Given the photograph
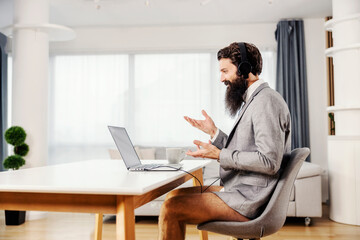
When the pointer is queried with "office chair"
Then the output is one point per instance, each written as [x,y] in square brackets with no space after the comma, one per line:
[274,215]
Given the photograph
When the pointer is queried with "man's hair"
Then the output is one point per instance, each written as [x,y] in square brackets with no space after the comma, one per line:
[233,53]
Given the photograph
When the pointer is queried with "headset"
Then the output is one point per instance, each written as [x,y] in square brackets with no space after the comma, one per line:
[244,67]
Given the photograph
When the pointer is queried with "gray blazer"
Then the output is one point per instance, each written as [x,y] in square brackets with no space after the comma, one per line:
[251,155]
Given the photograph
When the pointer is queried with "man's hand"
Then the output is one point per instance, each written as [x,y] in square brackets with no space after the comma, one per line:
[207,150]
[207,125]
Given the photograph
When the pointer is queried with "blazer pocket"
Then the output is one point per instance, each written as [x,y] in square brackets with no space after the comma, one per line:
[254,181]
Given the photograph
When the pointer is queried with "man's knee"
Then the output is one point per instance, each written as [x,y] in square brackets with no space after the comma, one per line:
[169,204]
[173,206]
[172,194]
[167,208]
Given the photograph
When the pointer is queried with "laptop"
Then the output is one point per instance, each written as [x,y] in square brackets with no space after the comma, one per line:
[129,155]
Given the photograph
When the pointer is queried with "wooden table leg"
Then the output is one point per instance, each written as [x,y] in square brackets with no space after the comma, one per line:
[125,218]
[98,226]
[199,175]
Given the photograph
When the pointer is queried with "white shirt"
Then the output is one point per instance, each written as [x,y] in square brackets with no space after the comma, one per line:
[246,96]
[252,89]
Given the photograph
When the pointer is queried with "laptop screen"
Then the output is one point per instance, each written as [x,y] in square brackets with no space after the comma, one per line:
[125,147]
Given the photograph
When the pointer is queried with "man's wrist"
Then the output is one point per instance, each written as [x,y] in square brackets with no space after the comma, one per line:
[218,158]
[214,134]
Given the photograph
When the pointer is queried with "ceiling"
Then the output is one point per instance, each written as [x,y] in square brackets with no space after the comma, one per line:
[87,13]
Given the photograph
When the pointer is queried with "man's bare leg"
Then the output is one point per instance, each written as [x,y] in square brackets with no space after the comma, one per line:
[185,191]
[194,189]
[190,206]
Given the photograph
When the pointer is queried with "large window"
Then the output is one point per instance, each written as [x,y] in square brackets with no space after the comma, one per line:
[87,94]
[147,93]
[168,87]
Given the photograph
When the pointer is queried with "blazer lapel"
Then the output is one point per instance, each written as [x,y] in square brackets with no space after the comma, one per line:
[261,87]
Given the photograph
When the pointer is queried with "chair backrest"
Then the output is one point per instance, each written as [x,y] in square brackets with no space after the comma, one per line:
[274,215]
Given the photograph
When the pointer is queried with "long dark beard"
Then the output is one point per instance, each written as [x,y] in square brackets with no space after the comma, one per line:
[234,95]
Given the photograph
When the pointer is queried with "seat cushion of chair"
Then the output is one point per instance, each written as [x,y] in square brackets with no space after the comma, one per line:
[248,230]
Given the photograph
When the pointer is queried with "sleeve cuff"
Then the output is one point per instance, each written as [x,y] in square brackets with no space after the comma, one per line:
[226,160]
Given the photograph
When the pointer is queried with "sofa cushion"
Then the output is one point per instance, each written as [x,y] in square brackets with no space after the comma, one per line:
[114,154]
[306,170]
[212,170]
[160,152]
[143,153]
[309,170]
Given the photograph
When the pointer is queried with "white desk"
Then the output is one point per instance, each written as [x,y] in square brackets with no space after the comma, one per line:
[94,186]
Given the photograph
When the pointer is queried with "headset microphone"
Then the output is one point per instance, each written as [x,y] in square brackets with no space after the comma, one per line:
[244,67]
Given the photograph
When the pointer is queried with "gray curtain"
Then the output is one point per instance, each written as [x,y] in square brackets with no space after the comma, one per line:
[291,81]
[3,98]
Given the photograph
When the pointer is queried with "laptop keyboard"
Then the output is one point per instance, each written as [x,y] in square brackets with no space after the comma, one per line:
[146,166]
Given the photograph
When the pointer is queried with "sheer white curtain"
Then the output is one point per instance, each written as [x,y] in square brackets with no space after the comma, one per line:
[168,87]
[88,93]
[269,68]
[147,93]
[9,96]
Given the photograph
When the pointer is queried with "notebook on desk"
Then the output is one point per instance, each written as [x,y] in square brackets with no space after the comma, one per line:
[129,155]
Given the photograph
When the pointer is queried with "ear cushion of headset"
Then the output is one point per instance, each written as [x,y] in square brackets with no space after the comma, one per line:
[244,68]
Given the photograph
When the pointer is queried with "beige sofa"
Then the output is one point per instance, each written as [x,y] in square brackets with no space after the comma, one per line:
[305,200]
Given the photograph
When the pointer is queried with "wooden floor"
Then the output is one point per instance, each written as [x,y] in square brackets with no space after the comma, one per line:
[71,226]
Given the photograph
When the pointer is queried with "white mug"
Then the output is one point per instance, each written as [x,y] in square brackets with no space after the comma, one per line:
[175,155]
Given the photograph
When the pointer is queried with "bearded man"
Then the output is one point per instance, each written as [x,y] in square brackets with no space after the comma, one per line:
[250,156]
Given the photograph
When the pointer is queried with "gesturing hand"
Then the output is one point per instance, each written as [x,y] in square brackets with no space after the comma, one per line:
[207,150]
[207,125]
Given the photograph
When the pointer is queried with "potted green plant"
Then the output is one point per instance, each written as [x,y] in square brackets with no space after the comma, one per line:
[15,136]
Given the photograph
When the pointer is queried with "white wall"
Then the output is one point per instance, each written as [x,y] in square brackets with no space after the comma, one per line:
[214,37]
[177,38]
[317,94]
